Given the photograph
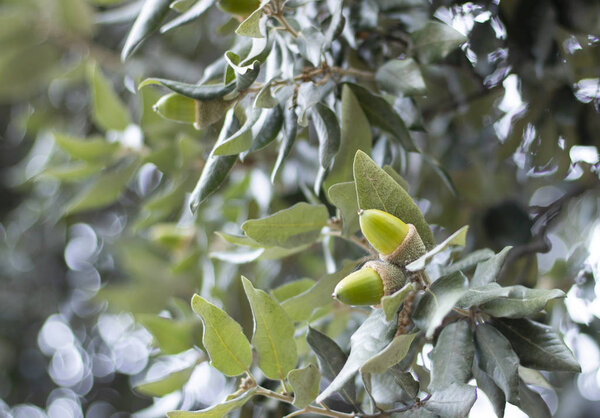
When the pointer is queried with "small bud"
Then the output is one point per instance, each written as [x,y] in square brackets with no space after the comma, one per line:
[384,232]
[369,284]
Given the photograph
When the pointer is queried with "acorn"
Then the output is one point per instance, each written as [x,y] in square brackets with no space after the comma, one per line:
[395,241]
[369,284]
[176,107]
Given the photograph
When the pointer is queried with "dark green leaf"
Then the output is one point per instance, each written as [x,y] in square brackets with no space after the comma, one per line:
[452,357]
[468,262]
[152,14]
[476,296]
[201,92]
[521,301]
[406,381]
[435,40]
[532,403]
[438,301]
[328,131]
[305,384]
[498,360]
[376,189]
[487,271]
[267,128]
[453,402]
[369,339]
[273,337]
[493,392]
[297,225]
[538,346]
[290,128]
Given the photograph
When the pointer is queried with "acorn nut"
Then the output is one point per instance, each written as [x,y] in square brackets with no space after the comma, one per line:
[369,284]
[395,241]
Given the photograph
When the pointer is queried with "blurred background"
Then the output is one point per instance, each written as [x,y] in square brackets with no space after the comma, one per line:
[96,242]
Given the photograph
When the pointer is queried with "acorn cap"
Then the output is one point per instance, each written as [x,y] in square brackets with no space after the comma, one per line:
[369,284]
[408,251]
[384,231]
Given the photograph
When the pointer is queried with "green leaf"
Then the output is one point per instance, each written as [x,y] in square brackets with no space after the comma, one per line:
[189,15]
[202,92]
[343,196]
[290,129]
[216,168]
[435,40]
[453,402]
[538,346]
[216,411]
[391,303]
[73,172]
[406,381]
[458,239]
[108,111]
[104,191]
[291,289]
[171,336]
[381,114]
[521,301]
[476,296]
[468,262]
[152,14]
[493,392]
[305,384]
[438,301]
[533,377]
[328,130]
[300,307]
[170,383]
[92,150]
[391,355]
[397,177]
[289,228]
[266,129]
[452,357]
[240,140]
[251,26]
[369,339]
[176,107]
[223,339]
[532,403]
[331,361]
[376,189]
[355,134]
[273,337]
[498,360]
[487,271]
[401,77]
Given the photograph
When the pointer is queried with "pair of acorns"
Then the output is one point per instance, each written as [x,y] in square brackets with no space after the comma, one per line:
[397,243]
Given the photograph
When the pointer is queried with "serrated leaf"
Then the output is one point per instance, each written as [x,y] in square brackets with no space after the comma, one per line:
[297,225]
[438,301]
[435,40]
[189,15]
[381,114]
[493,392]
[452,357]
[391,303]
[532,403]
[291,289]
[376,189]
[487,271]
[108,111]
[305,384]
[391,355]
[169,383]
[223,339]
[150,17]
[216,168]
[537,345]
[476,296]
[300,307]
[521,301]
[202,92]
[459,238]
[216,411]
[369,339]
[92,150]
[343,196]
[401,77]
[498,360]
[355,134]
[251,25]
[331,361]
[328,130]
[453,402]
[273,336]
[172,337]
[104,191]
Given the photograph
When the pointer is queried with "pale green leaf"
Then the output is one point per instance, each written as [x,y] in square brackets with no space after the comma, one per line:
[401,77]
[305,384]
[343,196]
[476,296]
[391,303]
[108,111]
[170,383]
[223,339]
[452,357]
[521,301]
[273,337]
[172,337]
[216,411]
[251,26]
[291,289]
[453,402]
[396,350]
[457,239]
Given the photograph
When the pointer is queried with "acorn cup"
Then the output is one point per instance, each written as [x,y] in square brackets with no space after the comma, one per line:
[395,241]
[369,284]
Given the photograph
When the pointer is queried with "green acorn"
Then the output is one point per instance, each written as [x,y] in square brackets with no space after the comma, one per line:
[395,241]
[176,107]
[369,284]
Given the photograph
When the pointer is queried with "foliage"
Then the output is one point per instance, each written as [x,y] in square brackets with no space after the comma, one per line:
[229,168]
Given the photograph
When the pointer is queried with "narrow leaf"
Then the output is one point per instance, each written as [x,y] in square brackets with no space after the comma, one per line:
[328,131]
[305,384]
[152,14]
[452,357]
[273,337]
[290,129]
[493,392]
[216,411]
[223,339]
[169,383]
[458,239]
[189,15]
[193,91]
